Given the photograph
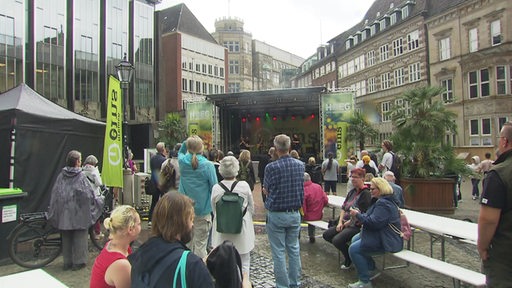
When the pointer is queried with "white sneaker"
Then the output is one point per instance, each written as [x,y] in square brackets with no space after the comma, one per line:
[360,284]
[343,267]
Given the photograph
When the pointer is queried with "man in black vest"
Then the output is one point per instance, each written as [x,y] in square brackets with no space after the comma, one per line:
[495,220]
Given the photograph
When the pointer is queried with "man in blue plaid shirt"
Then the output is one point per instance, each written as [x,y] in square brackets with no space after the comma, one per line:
[284,187]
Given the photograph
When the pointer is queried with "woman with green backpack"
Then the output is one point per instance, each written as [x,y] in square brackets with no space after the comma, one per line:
[233,207]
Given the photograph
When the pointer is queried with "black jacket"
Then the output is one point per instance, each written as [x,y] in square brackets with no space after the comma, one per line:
[156,252]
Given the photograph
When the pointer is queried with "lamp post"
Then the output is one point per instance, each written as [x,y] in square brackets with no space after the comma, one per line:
[124,74]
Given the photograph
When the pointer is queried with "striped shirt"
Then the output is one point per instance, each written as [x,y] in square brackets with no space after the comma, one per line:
[284,181]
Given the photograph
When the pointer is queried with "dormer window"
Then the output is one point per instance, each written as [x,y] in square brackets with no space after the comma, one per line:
[383,23]
[374,28]
[405,11]
[349,42]
[393,18]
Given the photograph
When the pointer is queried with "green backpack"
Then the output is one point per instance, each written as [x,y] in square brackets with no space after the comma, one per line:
[229,211]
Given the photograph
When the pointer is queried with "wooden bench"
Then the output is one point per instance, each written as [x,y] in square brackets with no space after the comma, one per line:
[457,273]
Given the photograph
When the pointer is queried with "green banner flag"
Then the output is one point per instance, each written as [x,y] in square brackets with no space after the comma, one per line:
[112,169]
[199,121]
[337,108]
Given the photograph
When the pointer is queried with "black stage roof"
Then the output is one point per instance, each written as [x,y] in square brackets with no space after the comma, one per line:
[290,101]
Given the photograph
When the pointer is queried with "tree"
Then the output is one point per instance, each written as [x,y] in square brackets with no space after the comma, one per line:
[420,126]
[360,129]
[172,130]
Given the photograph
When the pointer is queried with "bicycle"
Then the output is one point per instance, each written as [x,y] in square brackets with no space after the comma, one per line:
[34,243]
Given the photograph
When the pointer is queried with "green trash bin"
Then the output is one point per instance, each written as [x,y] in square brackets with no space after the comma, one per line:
[9,211]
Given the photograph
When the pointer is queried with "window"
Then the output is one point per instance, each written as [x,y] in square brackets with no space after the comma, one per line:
[216,70]
[347,44]
[210,69]
[232,46]
[373,29]
[392,19]
[370,58]
[480,132]
[221,72]
[444,49]
[404,105]
[382,24]
[204,68]
[384,52]
[385,82]
[384,107]
[414,72]
[198,86]
[473,40]
[399,77]
[198,67]
[479,83]
[495,33]
[405,12]
[501,122]
[233,67]
[413,39]
[397,47]
[233,87]
[205,88]
[501,80]
[184,84]
[447,95]
[191,85]
[371,85]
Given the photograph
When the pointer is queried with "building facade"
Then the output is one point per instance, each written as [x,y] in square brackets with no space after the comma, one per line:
[65,50]
[470,48]
[191,63]
[230,33]
[253,64]
[464,46]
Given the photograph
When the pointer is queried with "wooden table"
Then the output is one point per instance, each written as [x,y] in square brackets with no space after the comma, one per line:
[30,279]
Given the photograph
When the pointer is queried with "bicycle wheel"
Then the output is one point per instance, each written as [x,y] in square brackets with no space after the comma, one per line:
[99,239]
[34,244]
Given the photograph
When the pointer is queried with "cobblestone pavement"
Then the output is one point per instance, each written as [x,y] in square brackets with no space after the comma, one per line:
[320,261]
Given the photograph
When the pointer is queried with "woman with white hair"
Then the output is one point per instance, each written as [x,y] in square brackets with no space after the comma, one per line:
[244,241]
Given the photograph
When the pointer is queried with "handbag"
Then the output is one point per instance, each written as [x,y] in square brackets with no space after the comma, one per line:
[181,269]
[406,231]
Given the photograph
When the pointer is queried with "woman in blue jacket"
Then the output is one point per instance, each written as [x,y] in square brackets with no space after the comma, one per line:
[376,235]
[197,177]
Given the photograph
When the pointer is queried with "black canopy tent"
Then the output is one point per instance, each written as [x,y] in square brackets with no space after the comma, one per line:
[40,133]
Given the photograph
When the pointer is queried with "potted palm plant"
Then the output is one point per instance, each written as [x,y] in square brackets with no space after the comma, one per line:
[429,164]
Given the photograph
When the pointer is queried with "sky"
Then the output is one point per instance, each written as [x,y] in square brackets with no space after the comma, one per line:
[295,26]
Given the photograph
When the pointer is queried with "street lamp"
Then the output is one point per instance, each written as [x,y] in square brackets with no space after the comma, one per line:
[124,74]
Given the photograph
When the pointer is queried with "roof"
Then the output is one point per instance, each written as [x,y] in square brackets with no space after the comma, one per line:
[180,18]
[295,101]
[23,98]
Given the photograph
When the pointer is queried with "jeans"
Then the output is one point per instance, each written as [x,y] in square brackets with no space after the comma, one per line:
[283,230]
[201,230]
[475,183]
[341,240]
[362,259]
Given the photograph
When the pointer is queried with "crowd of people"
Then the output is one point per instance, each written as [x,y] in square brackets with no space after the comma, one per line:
[190,203]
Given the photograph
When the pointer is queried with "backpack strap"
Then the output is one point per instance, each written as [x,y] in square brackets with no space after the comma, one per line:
[392,159]
[181,269]
[228,191]
[158,269]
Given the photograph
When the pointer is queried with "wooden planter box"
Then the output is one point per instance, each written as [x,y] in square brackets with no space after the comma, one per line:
[429,194]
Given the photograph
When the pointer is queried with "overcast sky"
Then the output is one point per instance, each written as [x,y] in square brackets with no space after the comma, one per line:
[296,26]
